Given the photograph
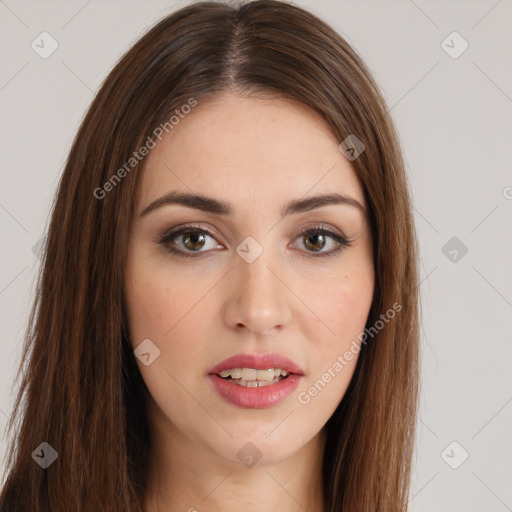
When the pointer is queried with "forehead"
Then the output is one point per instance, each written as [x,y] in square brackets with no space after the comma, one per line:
[249,151]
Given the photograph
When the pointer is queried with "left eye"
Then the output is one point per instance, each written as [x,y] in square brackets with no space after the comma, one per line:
[193,239]
[316,239]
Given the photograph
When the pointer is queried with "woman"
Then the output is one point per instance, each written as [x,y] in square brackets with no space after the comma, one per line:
[227,314]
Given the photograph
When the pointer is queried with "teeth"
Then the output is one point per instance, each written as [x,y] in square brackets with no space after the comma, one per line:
[252,375]
[249,374]
[255,383]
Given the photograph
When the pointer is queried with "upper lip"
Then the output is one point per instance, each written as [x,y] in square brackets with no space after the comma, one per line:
[258,362]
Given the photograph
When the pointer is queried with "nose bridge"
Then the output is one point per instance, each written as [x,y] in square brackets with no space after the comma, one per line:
[258,299]
[256,275]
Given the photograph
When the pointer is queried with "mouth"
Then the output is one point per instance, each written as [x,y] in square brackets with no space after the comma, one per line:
[253,378]
[254,381]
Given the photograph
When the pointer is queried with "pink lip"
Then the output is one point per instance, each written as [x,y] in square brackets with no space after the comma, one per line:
[256,398]
[258,362]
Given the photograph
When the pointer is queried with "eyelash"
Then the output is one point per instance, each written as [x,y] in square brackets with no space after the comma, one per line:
[320,229]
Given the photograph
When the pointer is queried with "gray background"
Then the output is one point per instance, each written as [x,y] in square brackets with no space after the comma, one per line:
[454,120]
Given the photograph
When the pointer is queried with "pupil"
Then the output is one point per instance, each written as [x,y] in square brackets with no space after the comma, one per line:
[193,238]
[315,241]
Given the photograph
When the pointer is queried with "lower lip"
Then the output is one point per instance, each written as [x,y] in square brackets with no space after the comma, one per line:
[255,398]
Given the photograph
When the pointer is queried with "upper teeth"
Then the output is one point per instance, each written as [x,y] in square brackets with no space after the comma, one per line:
[252,374]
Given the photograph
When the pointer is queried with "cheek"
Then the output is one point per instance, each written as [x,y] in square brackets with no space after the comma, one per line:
[350,306]
[166,310]
[158,301]
[340,309]
[172,311]
[153,309]
[342,312]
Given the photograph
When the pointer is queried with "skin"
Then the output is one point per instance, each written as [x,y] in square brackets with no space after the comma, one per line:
[255,154]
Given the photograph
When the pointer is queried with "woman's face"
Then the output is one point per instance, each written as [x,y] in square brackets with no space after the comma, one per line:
[254,277]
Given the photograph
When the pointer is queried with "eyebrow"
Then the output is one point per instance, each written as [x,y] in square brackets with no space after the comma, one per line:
[217,207]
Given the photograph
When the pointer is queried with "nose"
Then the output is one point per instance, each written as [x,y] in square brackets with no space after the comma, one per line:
[258,298]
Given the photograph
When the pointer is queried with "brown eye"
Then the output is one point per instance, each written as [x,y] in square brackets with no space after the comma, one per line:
[316,239]
[193,240]
[189,241]
[314,242]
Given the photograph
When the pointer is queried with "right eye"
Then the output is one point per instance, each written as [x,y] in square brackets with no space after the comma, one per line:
[187,240]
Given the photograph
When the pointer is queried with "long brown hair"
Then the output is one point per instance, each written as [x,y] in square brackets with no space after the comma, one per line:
[80,389]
